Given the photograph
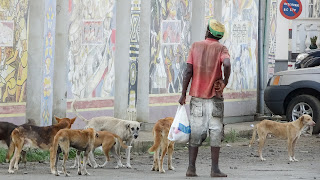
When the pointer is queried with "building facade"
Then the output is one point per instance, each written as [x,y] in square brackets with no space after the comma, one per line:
[117,57]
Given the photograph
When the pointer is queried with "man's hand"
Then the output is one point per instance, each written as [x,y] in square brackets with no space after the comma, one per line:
[219,85]
[182,99]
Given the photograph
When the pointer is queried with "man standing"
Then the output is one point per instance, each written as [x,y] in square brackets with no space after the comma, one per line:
[204,66]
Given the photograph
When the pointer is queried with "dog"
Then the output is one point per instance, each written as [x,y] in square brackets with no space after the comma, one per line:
[6,129]
[82,140]
[290,131]
[160,133]
[126,130]
[26,136]
[108,141]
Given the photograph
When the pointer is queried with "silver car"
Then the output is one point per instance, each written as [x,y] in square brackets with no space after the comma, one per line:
[295,92]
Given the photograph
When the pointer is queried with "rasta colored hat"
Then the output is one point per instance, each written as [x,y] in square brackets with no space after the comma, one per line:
[216,28]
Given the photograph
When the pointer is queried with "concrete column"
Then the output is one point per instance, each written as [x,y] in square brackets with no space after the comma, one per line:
[35,58]
[61,60]
[144,60]
[122,58]
[198,29]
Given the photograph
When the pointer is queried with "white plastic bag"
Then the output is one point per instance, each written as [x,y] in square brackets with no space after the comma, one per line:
[180,128]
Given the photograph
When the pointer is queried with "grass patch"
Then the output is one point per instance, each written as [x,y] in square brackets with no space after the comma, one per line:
[3,153]
[231,137]
[36,155]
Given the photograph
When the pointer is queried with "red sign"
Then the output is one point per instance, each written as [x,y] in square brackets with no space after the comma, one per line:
[290,9]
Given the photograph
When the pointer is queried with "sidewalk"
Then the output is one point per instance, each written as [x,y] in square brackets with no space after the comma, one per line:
[145,139]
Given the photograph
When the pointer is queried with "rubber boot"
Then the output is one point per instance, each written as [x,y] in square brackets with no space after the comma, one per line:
[193,152]
[215,171]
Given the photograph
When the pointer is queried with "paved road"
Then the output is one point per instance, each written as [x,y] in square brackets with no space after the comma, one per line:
[237,160]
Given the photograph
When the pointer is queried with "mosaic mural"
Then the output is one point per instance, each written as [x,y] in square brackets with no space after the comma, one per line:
[209,10]
[48,63]
[272,37]
[170,43]
[241,38]
[92,46]
[134,58]
[13,50]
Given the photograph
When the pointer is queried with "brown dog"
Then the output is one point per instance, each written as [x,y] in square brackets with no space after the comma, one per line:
[160,133]
[35,136]
[6,129]
[108,141]
[290,131]
[82,140]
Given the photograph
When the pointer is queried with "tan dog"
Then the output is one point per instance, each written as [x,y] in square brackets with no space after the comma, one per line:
[160,133]
[26,136]
[290,131]
[126,130]
[82,140]
[108,141]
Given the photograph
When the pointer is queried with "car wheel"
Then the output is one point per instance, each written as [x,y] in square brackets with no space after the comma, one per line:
[304,104]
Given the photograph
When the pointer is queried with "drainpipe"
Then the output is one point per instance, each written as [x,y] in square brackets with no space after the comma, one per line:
[261,45]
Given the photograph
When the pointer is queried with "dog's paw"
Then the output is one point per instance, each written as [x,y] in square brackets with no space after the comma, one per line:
[293,159]
[10,171]
[96,166]
[100,166]
[89,164]
[79,172]
[171,168]
[16,167]
[262,159]
[87,174]
[128,166]
[162,171]
[67,175]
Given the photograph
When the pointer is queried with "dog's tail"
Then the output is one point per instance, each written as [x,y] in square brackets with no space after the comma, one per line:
[120,141]
[254,134]
[157,140]
[76,113]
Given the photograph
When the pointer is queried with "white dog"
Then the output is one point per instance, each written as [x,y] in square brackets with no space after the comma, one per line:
[126,130]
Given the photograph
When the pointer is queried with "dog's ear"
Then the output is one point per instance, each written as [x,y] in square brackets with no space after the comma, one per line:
[302,118]
[73,120]
[58,119]
[128,126]
[97,134]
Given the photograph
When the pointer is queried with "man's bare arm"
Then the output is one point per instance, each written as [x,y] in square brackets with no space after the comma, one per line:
[226,70]
[186,80]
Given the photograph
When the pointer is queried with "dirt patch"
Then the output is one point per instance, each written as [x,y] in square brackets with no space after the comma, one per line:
[236,159]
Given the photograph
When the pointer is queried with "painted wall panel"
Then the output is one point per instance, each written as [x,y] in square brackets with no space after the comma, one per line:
[170,43]
[48,63]
[92,45]
[241,38]
[13,50]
